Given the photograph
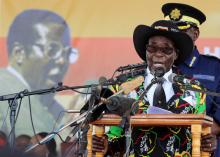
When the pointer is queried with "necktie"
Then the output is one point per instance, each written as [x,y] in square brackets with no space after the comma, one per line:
[159,98]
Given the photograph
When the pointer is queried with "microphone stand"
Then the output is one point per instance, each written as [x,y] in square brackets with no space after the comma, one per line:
[81,120]
[13,104]
[78,120]
[12,101]
[125,123]
[59,88]
[84,126]
[135,104]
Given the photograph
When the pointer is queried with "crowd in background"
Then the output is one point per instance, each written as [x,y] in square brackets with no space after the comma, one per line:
[22,142]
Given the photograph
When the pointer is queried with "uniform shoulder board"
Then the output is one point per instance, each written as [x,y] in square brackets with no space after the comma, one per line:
[211,57]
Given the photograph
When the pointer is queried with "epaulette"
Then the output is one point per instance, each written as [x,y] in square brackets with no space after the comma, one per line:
[210,56]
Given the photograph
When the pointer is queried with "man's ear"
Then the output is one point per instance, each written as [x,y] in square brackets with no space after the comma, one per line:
[196,33]
[176,54]
[18,53]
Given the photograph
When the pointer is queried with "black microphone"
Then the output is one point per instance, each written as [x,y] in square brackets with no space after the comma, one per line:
[102,80]
[125,76]
[158,72]
[96,110]
[119,105]
[132,67]
[187,84]
[174,78]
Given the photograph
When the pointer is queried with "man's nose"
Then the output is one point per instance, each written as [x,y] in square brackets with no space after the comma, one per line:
[159,53]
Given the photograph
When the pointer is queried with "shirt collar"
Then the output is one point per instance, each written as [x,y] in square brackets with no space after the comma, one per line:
[19,76]
[149,76]
[193,59]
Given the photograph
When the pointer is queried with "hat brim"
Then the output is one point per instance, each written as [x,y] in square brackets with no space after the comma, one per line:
[182,41]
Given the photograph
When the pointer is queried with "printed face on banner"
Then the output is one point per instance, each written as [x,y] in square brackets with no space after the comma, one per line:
[48,55]
[39,55]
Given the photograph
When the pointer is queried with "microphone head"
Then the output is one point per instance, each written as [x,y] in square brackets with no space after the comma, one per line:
[119,105]
[159,72]
[171,77]
[102,80]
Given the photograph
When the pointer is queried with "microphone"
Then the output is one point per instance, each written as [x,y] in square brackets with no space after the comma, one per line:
[119,105]
[91,104]
[132,66]
[125,88]
[158,72]
[102,80]
[187,84]
[174,78]
[125,76]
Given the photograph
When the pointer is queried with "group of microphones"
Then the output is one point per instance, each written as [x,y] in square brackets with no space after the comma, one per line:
[109,102]
[103,100]
[118,104]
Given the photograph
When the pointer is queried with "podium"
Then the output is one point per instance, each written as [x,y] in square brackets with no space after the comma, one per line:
[200,124]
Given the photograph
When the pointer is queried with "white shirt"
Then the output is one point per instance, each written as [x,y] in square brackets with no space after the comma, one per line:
[167,85]
[19,76]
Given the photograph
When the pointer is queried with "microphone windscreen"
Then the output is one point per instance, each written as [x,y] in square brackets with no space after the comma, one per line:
[159,72]
[171,77]
[105,93]
[119,105]
[102,80]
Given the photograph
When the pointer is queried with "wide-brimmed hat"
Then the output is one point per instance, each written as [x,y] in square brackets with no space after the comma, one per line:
[182,41]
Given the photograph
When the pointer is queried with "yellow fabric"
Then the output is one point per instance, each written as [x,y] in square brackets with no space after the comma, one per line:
[192,61]
[184,27]
[186,19]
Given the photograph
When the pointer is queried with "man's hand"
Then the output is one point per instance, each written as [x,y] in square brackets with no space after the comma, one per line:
[209,143]
[99,144]
[215,128]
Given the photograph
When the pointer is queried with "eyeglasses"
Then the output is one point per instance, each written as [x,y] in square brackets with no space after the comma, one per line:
[165,50]
[55,50]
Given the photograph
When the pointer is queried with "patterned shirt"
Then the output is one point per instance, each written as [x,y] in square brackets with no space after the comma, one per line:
[161,141]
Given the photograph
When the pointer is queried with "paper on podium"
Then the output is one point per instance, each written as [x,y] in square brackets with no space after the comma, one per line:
[157,110]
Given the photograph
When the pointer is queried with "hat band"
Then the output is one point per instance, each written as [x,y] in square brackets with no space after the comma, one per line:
[185,19]
[184,27]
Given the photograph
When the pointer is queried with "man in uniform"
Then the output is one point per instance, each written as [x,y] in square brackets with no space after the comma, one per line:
[202,67]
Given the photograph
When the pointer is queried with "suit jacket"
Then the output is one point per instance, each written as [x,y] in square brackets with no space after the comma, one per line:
[42,119]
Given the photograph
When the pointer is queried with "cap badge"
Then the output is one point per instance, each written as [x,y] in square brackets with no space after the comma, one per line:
[175,14]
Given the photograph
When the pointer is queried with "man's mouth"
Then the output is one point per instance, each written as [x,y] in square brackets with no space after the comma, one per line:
[158,64]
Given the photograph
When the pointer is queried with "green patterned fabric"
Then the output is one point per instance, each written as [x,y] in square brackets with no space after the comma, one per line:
[162,141]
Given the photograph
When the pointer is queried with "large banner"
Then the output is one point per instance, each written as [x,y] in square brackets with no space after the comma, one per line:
[43,42]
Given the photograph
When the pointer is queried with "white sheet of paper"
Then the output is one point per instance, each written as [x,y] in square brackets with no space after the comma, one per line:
[157,110]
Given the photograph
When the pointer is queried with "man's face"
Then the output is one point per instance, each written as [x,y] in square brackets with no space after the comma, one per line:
[190,29]
[48,57]
[160,53]
[192,32]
